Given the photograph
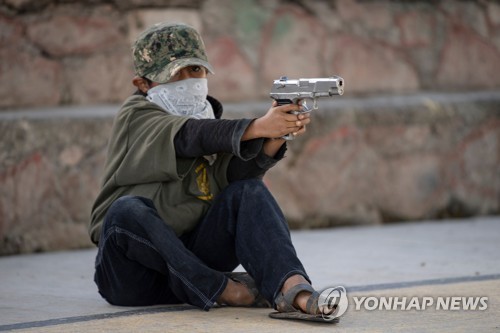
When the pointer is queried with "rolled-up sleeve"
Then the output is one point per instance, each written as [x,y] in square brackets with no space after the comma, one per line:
[239,169]
[202,137]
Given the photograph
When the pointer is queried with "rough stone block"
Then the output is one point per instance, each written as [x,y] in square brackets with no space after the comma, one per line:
[235,79]
[76,32]
[468,62]
[49,172]
[102,78]
[11,30]
[470,14]
[493,11]
[27,78]
[368,66]
[292,45]
[417,29]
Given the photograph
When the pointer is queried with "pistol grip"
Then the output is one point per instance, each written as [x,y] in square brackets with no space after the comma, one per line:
[280,102]
[305,109]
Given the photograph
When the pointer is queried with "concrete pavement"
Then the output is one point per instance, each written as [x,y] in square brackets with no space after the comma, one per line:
[54,292]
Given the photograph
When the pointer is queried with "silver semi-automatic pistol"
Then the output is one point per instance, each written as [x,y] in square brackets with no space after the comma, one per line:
[307,91]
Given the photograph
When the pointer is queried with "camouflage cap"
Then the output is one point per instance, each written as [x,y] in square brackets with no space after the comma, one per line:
[162,50]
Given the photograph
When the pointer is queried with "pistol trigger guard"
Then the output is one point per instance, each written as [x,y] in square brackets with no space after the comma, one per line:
[315,104]
[305,105]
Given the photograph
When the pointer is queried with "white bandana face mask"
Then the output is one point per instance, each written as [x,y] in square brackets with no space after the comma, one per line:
[183,98]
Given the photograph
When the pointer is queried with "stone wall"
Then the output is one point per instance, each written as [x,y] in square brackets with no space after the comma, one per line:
[362,161]
[56,52]
[407,141]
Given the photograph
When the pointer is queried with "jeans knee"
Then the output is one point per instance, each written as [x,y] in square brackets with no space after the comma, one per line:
[128,208]
[251,187]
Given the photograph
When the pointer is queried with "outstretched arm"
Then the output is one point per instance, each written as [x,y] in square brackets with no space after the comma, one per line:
[209,136]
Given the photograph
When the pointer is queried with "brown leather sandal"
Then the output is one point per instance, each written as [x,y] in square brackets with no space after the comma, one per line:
[286,310]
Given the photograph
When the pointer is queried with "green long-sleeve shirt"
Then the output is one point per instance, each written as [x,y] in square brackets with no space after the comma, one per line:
[142,161]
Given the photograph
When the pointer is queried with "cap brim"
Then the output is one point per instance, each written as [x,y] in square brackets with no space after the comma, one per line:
[172,68]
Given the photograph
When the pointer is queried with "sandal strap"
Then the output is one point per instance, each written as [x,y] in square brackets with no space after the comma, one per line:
[312,303]
[284,302]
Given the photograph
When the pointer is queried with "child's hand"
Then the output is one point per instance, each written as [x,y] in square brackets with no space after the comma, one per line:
[278,122]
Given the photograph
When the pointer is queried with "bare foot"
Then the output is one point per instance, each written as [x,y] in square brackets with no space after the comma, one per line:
[301,299]
[236,294]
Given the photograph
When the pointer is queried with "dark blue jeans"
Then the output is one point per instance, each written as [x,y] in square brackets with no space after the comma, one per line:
[142,262]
